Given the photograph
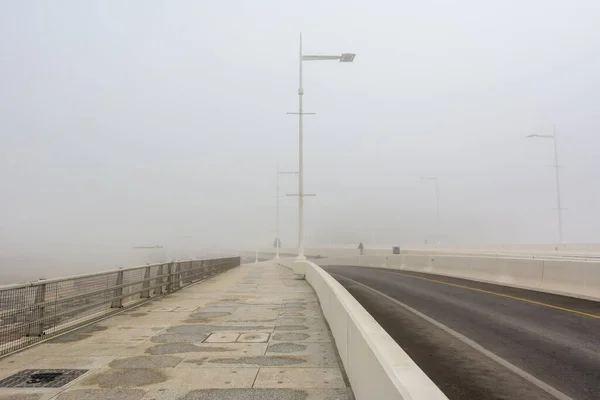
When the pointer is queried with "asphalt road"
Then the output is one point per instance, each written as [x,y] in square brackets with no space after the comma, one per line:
[554,340]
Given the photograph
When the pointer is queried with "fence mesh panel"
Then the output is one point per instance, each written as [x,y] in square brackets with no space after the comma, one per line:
[34,311]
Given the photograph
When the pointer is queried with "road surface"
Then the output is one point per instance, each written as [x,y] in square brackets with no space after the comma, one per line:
[483,341]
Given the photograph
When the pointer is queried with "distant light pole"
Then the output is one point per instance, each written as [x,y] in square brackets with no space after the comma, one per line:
[437,196]
[346,57]
[556,166]
[277,241]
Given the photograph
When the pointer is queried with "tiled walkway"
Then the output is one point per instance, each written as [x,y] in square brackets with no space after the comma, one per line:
[252,333]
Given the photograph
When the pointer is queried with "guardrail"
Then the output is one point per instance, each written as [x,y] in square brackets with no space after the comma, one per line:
[33,311]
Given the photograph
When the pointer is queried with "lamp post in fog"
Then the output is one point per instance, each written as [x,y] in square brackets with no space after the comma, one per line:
[346,57]
[437,196]
[277,240]
[556,166]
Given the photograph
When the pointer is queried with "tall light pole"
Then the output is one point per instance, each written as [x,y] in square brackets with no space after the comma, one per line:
[437,196]
[556,166]
[277,241]
[346,57]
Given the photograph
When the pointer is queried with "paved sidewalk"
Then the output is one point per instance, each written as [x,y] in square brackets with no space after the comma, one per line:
[252,333]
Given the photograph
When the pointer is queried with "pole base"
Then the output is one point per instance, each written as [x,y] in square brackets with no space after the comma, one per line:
[299,267]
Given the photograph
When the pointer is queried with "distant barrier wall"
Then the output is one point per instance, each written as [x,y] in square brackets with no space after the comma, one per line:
[566,277]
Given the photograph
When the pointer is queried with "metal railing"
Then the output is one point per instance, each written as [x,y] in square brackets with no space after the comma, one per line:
[33,311]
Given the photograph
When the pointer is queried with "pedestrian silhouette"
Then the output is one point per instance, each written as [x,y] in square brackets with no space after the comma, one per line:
[361,248]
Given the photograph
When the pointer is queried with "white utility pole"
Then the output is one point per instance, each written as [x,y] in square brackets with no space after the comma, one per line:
[556,166]
[346,57]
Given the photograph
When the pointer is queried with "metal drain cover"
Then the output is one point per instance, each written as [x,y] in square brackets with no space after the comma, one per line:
[42,378]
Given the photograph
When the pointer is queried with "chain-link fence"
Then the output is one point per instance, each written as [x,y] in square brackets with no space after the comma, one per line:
[30,312]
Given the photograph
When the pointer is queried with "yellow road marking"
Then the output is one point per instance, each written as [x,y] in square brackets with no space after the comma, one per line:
[539,303]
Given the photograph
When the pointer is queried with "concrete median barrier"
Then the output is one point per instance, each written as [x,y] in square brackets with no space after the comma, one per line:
[580,278]
[376,366]
[566,277]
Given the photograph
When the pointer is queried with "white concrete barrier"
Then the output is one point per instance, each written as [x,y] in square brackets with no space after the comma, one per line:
[376,366]
[580,277]
[573,278]
[515,247]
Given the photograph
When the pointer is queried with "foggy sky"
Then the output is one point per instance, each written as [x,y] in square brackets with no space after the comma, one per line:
[141,122]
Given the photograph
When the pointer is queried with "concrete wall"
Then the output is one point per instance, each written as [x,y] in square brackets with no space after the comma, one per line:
[376,366]
[518,247]
[566,277]
[531,249]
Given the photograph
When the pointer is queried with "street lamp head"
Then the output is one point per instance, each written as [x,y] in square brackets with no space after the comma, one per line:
[347,57]
[540,136]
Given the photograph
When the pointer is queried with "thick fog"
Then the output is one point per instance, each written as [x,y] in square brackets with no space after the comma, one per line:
[143,123]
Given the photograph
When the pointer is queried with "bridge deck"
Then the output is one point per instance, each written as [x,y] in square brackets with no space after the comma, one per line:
[253,332]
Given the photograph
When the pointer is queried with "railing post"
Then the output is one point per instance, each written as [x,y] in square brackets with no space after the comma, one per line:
[145,294]
[210,268]
[118,299]
[177,277]
[190,273]
[36,326]
[158,282]
[170,278]
[201,270]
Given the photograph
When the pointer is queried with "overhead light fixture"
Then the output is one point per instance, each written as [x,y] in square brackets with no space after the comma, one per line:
[347,57]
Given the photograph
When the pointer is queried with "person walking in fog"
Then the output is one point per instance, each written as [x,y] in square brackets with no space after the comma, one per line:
[361,248]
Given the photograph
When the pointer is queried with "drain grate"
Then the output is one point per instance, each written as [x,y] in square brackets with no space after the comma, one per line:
[42,378]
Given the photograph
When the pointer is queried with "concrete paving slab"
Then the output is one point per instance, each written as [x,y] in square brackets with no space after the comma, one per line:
[213,309]
[102,394]
[6,372]
[212,351]
[259,337]
[131,337]
[152,320]
[72,362]
[268,324]
[83,349]
[167,308]
[300,348]
[177,338]
[299,378]
[185,378]
[189,308]
[250,394]
[242,313]
[24,358]
[214,340]
[207,329]
[301,336]
[222,337]
[27,394]
[272,360]
[312,323]
[145,362]
[169,348]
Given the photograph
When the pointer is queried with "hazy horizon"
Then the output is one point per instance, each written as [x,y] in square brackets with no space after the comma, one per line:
[126,124]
